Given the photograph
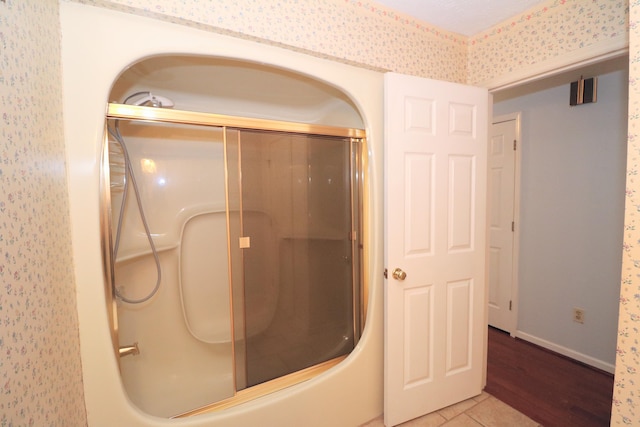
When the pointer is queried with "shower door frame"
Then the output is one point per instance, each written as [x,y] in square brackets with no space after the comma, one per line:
[358,161]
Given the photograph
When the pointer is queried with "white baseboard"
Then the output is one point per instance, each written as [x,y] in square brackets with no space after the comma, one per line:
[591,361]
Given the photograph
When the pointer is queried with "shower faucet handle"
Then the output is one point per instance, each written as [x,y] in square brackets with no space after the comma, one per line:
[132,350]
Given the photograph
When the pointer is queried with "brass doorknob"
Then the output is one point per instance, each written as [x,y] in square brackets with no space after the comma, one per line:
[398,274]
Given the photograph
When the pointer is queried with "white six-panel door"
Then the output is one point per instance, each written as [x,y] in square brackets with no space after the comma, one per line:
[502,165]
[435,233]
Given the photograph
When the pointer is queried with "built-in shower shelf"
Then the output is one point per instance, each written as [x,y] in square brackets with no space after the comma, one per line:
[131,255]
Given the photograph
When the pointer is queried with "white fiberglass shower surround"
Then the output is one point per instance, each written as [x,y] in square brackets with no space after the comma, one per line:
[305,90]
[235,243]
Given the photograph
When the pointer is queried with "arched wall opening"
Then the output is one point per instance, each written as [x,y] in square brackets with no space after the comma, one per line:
[237,267]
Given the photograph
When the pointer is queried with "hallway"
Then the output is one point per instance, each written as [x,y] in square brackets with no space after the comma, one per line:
[528,386]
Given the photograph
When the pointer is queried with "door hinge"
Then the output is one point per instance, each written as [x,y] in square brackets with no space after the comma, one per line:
[515,143]
[513,226]
[510,305]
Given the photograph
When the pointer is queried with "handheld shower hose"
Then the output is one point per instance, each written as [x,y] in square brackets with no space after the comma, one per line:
[155,101]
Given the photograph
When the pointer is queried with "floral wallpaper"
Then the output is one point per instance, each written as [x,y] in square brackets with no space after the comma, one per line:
[553,28]
[626,393]
[361,33]
[40,372]
[368,34]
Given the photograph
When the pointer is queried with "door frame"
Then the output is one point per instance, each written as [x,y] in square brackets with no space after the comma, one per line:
[517,117]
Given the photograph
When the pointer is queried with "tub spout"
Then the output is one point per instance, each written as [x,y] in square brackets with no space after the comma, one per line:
[129,350]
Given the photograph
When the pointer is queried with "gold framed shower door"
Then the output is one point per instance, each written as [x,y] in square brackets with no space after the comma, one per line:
[160,115]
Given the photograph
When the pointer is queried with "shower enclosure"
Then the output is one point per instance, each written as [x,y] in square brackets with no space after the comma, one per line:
[233,254]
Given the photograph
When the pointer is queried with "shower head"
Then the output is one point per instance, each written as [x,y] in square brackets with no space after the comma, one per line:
[151,100]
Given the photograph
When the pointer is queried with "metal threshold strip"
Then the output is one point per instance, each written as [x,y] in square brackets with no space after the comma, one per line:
[164,115]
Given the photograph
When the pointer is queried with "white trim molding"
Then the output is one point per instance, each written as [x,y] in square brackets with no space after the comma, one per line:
[588,360]
[608,49]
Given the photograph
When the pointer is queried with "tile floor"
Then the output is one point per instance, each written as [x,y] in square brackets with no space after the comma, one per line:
[481,411]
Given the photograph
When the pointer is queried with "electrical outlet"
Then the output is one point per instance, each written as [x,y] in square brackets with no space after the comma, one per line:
[578,315]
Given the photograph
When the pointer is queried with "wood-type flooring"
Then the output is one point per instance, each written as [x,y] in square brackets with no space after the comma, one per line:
[551,389]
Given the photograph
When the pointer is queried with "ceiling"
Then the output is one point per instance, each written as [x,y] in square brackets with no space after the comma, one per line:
[466,17]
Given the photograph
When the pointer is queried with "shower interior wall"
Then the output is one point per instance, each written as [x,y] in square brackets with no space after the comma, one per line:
[350,393]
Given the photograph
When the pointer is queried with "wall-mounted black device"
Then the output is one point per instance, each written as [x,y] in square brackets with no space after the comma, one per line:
[583,91]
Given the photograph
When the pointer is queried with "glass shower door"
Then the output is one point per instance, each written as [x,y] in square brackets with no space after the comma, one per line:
[297,230]
[254,239]
[182,331]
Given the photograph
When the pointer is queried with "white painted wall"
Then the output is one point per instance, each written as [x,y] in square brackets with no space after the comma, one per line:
[572,204]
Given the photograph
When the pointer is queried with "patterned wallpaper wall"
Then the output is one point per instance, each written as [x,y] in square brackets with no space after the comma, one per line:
[368,34]
[553,28]
[40,376]
[362,32]
[626,393]
[40,372]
